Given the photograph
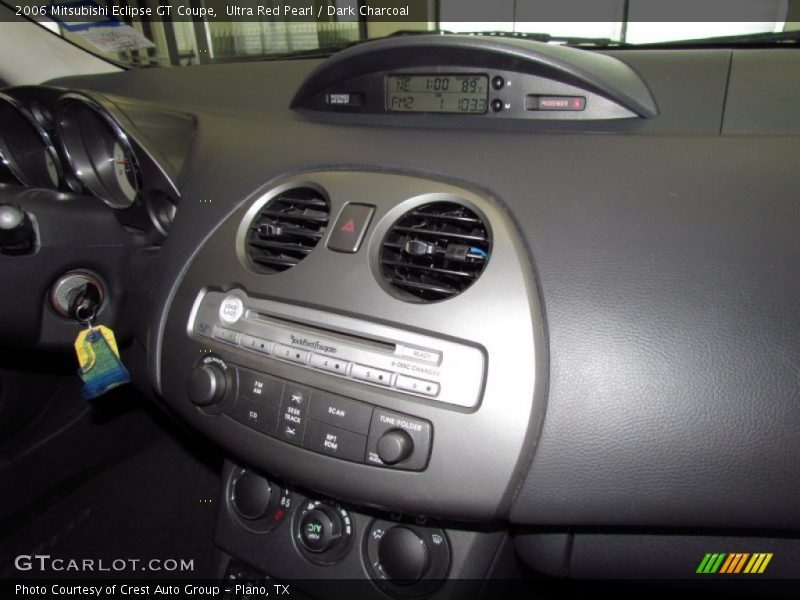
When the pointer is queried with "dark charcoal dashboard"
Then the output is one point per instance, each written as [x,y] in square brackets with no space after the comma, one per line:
[433,289]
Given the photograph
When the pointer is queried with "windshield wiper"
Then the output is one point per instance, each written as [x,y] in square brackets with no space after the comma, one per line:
[766,38]
[545,37]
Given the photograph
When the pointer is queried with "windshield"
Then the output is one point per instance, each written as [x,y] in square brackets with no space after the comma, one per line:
[154,33]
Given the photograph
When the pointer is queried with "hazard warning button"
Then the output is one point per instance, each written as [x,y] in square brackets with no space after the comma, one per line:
[348,231]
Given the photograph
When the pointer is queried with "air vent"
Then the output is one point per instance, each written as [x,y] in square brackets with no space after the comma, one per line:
[435,251]
[286,229]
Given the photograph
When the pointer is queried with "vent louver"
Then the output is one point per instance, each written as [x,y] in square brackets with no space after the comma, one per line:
[286,229]
[435,251]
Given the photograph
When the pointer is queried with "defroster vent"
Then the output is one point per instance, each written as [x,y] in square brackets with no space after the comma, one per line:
[435,251]
[286,229]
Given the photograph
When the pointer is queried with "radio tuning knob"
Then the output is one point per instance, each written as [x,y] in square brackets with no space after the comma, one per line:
[395,446]
[207,385]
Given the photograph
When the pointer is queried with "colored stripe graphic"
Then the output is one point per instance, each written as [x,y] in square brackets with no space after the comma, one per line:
[734,563]
[737,562]
[711,563]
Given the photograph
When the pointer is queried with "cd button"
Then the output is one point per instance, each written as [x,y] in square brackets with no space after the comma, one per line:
[255,415]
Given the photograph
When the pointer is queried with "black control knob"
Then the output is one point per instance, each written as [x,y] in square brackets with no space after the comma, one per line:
[207,385]
[395,446]
[252,495]
[16,230]
[403,555]
[320,529]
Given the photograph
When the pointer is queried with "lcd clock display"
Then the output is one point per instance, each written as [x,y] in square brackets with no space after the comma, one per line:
[437,93]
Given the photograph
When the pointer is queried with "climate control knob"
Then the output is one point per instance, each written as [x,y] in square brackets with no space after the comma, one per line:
[395,446]
[320,529]
[207,385]
[403,555]
[324,531]
[252,495]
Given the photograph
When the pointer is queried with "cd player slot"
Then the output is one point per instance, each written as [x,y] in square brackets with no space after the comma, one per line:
[351,340]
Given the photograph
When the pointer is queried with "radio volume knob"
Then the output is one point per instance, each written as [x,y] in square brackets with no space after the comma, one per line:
[206,385]
[395,446]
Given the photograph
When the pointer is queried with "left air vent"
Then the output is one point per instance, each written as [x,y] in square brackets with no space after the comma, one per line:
[286,229]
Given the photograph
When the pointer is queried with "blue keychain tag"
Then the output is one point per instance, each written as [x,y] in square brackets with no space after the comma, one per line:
[98,356]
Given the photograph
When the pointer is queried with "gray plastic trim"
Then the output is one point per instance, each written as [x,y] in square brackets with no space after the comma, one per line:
[491,445]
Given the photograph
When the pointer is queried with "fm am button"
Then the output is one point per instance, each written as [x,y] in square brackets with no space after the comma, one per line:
[350,227]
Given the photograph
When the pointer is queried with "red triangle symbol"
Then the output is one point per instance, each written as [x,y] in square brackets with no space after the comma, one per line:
[349,227]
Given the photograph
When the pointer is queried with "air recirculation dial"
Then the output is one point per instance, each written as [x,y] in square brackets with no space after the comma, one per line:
[286,229]
[435,251]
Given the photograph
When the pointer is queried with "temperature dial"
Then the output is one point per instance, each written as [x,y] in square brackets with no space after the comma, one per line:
[258,503]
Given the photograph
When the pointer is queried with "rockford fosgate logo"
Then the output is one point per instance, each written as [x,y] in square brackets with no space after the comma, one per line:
[315,345]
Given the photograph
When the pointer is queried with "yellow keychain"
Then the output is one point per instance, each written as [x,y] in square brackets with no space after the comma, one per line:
[98,357]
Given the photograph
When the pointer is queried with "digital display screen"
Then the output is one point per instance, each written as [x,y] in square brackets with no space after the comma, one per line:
[437,93]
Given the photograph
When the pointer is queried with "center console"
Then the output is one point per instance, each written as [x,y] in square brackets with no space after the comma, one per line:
[369,347]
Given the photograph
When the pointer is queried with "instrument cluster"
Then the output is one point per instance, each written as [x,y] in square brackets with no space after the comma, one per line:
[80,143]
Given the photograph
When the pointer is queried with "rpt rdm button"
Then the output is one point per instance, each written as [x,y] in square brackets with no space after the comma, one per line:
[330,440]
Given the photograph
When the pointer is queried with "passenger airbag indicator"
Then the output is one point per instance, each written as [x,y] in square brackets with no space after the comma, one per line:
[565,103]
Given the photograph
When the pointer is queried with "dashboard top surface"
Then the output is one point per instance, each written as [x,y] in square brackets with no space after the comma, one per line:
[663,252]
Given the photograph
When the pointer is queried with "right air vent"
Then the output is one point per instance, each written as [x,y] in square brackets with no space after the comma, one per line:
[435,251]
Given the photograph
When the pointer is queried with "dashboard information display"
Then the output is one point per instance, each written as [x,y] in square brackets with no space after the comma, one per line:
[437,93]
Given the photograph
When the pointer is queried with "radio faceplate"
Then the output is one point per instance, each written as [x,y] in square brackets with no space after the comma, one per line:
[360,351]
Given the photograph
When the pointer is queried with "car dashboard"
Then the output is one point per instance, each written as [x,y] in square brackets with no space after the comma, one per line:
[439,296]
